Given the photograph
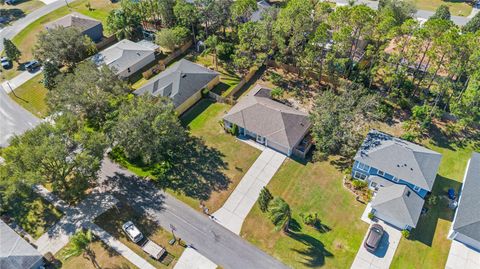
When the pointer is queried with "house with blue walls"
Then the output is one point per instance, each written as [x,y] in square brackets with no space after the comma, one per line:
[400,173]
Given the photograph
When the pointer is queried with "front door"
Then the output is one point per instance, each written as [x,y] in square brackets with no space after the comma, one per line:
[260,139]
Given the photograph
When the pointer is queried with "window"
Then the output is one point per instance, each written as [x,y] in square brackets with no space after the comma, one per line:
[395,179]
[416,188]
[380,173]
[260,139]
[359,175]
[363,167]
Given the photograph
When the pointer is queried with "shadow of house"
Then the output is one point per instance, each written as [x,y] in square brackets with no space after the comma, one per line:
[314,252]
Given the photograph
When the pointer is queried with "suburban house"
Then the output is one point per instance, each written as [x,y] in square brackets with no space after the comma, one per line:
[270,122]
[89,26]
[466,223]
[400,173]
[182,82]
[125,57]
[15,252]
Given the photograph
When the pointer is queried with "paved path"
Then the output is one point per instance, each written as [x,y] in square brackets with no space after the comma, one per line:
[207,237]
[462,257]
[9,85]
[191,259]
[14,119]
[74,218]
[232,214]
[382,258]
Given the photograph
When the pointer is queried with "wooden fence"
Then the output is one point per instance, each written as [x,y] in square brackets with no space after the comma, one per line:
[172,56]
[242,82]
[105,42]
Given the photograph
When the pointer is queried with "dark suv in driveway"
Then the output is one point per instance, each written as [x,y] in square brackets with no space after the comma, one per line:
[32,66]
[373,238]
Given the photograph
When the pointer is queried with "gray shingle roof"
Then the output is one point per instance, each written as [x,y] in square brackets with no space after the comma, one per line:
[279,123]
[15,252]
[400,203]
[122,55]
[74,19]
[402,159]
[179,82]
[467,219]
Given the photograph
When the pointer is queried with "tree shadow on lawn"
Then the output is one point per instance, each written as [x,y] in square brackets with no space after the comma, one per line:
[427,224]
[188,116]
[315,252]
[12,14]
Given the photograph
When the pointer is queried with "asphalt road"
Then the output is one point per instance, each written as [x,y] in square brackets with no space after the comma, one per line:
[209,238]
[13,118]
[10,31]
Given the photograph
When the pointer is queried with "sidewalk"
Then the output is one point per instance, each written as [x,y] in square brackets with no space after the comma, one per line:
[9,85]
[232,214]
[191,259]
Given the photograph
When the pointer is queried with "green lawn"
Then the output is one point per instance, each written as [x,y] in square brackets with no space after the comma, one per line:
[26,39]
[457,7]
[36,216]
[429,245]
[31,96]
[310,188]
[104,256]
[112,221]
[27,6]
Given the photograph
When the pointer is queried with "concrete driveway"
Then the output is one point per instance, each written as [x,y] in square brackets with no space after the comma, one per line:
[383,257]
[191,259]
[232,214]
[462,257]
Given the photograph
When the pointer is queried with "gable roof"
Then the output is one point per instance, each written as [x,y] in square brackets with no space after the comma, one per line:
[467,217]
[262,6]
[179,82]
[74,19]
[122,55]
[15,252]
[279,123]
[398,202]
[402,159]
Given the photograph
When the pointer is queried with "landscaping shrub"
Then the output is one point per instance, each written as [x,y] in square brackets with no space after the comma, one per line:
[310,219]
[385,110]
[371,215]
[409,136]
[225,51]
[406,233]
[432,200]
[277,93]
[147,74]
[264,199]
[234,130]
[275,78]
[359,184]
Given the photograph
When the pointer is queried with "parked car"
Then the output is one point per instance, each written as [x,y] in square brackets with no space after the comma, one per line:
[32,65]
[6,62]
[374,237]
[10,2]
[132,231]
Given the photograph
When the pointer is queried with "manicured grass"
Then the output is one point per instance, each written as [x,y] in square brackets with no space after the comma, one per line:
[112,221]
[104,256]
[228,80]
[429,246]
[310,188]
[26,6]
[457,7]
[36,216]
[26,39]
[31,96]
[203,121]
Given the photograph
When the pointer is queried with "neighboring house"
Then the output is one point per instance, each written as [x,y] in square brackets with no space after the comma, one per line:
[125,57]
[182,82]
[262,7]
[401,173]
[15,252]
[89,27]
[466,223]
[270,122]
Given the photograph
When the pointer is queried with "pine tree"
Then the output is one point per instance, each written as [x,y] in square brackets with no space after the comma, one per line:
[11,50]
[264,199]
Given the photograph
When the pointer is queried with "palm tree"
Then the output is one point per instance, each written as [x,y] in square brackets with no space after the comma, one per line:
[80,245]
[280,214]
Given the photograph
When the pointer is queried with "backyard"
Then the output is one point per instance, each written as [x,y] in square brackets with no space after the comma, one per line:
[31,96]
[112,221]
[310,188]
[26,39]
[104,256]
[457,7]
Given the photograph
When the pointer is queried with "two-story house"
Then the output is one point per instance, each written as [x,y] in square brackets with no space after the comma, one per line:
[400,172]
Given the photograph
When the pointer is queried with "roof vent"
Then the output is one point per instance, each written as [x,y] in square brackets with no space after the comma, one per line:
[184,75]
